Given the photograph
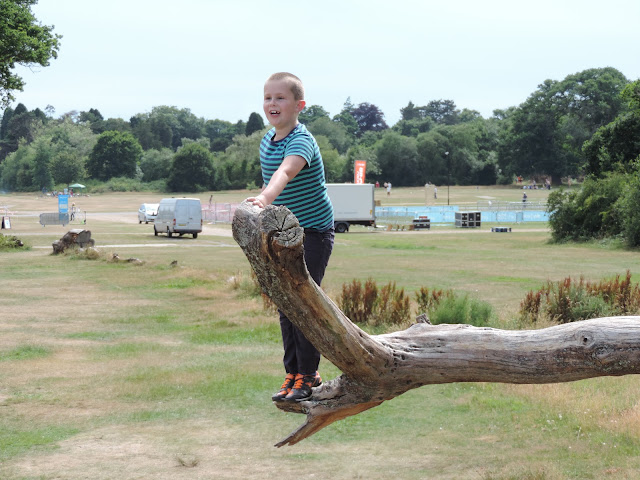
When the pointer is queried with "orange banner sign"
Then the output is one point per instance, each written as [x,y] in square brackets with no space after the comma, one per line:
[359,170]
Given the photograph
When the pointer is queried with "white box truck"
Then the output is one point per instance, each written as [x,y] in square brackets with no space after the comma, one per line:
[353,204]
[179,215]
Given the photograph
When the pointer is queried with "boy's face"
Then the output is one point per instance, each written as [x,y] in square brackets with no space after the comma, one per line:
[280,106]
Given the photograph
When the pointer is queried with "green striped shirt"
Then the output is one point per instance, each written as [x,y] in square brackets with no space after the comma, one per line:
[306,194]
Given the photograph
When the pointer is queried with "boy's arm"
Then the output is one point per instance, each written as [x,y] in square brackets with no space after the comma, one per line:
[289,168]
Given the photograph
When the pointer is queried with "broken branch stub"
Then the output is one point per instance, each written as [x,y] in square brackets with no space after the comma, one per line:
[381,367]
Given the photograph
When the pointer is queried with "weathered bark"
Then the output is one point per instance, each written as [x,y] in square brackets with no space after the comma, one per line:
[376,368]
[73,238]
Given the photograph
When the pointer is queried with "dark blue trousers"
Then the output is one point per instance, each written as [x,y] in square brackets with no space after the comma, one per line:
[300,356]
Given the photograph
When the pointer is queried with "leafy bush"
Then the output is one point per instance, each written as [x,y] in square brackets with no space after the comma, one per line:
[629,207]
[461,309]
[590,212]
[120,184]
[607,207]
[9,242]
[569,300]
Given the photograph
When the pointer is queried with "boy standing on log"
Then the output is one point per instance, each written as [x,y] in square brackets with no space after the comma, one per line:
[293,176]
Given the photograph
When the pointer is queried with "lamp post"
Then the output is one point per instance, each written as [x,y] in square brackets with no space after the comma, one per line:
[446,154]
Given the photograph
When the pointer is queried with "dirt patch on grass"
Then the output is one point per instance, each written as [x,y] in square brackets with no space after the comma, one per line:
[208,449]
[140,451]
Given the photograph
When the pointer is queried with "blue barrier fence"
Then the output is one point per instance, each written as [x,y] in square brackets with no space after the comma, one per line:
[446,214]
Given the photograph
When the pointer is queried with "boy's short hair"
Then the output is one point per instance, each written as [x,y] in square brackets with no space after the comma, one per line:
[294,83]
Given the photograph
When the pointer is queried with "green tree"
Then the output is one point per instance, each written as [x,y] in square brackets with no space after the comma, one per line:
[462,154]
[94,118]
[546,133]
[443,112]
[239,166]
[413,127]
[42,177]
[466,116]
[23,41]
[397,157]
[312,113]
[369,118]
[616,145]
[60,149]
[432,160]
[334,131]
[65,135]
[334,163]
[23,125]
[16,171]
[410,112]
[165,127]
[156,164]
[71,145]
[67,167]
[192,170]
[115,154]
[6,145]
[254,124]
[470,154]
[153,132]
[346,118]
[4,125]
[220,134]
[608,204]
[631,95]
[117,124]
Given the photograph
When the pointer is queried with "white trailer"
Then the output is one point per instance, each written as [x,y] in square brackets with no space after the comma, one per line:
[353,204]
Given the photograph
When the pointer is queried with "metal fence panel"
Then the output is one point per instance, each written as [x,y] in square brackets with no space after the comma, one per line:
[54,219]
[219,212]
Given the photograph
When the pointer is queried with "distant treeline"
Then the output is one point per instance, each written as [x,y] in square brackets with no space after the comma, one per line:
[580,126]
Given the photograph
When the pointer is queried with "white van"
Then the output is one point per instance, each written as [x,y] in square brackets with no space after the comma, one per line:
[179,215]
[147,212]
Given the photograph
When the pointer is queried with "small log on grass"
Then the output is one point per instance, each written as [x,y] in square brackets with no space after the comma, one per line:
[376,368]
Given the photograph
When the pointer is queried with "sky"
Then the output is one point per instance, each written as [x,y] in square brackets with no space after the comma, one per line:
[212,57]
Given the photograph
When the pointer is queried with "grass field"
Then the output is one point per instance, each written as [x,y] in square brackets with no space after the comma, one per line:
[115,370]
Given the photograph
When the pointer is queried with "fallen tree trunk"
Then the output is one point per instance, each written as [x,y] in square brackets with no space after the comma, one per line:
[376,368]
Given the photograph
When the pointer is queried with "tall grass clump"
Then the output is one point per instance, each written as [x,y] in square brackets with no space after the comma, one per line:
[250,287]
[369,305]
[390,305]
[461,309]
[571,300]
[429,299]
[444,306]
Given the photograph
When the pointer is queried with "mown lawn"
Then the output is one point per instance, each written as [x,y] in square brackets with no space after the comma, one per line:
[115,370]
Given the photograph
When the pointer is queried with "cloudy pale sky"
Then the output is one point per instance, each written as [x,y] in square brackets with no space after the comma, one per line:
[212,56]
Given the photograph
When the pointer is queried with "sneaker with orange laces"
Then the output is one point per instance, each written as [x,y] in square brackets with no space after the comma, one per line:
[286,387]
[302,386]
